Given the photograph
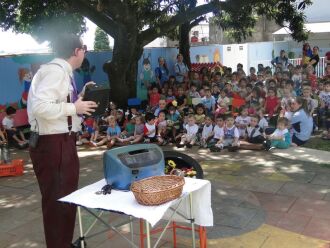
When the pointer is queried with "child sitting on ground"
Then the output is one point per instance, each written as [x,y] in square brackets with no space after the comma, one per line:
[207,132]
[242,121]
[113,132]
[218,133]
[138,130]
[13,132]
[230,138]
[222,103]
[91,128]
[126,135]
[150,130]
[161,125]
[173,122]
[254,135]
[200,114]
[4,158]
[189,138]
[281,136]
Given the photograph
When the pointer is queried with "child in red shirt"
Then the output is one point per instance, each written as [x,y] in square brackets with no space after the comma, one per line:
[312,78]
[272,102]
[154,97]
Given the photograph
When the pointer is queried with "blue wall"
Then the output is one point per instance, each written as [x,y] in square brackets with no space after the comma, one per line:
[11,89]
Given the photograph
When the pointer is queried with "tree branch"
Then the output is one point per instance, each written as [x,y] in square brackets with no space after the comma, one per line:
[152,33]
[196,22]
[102,20]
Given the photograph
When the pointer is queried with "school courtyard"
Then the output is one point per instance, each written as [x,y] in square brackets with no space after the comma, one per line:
[259,200]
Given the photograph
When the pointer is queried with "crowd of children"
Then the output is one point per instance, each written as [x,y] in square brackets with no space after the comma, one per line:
[223,109]
[214,109]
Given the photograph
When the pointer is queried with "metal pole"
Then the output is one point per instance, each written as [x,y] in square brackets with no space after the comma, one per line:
[192,220]
[131,229]
[82,243]
[148,235]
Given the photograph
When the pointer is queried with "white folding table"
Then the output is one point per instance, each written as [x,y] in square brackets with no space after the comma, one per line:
[193,206]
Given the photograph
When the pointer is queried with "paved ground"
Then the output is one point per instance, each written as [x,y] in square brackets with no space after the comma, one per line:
[279,199]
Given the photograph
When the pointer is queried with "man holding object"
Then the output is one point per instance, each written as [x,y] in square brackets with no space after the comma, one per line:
[53,109]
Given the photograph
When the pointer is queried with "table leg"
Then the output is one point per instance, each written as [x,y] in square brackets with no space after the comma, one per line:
[192,220]
[82,243]
[131,229]
[174,234]
[148,235]
[141,234]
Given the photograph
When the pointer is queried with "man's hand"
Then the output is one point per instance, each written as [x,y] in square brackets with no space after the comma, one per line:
[85,107]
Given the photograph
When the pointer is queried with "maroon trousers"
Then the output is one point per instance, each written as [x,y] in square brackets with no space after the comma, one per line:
[56,165]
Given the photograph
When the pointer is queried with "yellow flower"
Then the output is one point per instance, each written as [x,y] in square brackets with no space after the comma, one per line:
[171,163]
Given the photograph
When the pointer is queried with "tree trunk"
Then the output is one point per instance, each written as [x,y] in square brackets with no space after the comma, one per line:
[122,70]
[184,42]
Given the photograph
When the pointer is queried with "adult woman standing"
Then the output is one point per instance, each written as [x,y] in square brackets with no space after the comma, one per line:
[314,60]
[161,72]
[301,122]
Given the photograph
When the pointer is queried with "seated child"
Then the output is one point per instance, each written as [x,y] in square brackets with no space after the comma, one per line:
[150,130]
[91,128]
[161,125]
[263,123]
[189,138]
[154,97]
[4,153]
[161,106]
[254,135]
[230,138]
[271,103]
[281,136]
[173,122]
[207,132]
[113,132]
[325,109]
[217,134]
[222,103]
[126,135]
[242,121]
[200,114]
[13,132]
[208,101]
[169,95]
[138,130]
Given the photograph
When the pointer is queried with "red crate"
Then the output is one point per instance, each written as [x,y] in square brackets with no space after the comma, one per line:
[13,169]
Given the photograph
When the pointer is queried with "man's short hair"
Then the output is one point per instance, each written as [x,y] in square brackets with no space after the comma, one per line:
[65,44]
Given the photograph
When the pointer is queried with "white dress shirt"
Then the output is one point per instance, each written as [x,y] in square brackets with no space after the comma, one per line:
[47,105]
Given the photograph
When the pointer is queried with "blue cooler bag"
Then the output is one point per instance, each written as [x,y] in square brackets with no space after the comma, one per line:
[124,165]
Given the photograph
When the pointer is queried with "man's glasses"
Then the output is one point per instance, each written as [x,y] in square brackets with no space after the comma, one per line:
[84,48]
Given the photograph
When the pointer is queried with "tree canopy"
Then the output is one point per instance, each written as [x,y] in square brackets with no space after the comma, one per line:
[101,40]
[135,23]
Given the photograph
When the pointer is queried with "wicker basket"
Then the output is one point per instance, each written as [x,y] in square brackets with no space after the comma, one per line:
[157,190]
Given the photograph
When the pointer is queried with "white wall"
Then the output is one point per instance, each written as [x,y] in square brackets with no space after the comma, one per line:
[234,54]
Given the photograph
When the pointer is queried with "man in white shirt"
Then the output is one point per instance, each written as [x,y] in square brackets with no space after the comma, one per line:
[53,109]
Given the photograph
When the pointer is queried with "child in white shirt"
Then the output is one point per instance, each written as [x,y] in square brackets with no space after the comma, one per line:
[230,138]
[207,132]
[280,138]
[189,138]
[242,121]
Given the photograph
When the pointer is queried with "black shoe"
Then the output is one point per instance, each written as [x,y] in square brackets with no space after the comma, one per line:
[189,145]
[178,145]
[267,145]
[215,149]
[232,148]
